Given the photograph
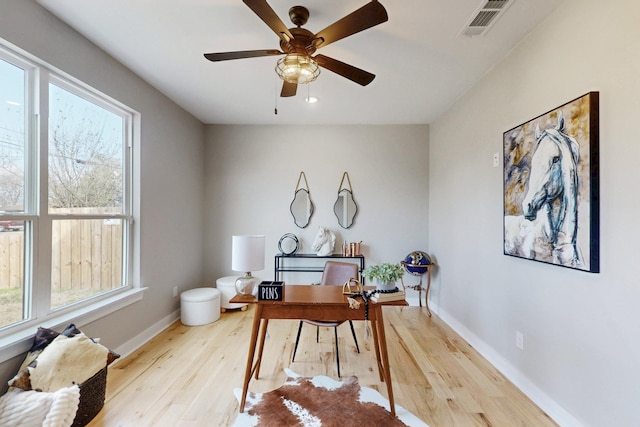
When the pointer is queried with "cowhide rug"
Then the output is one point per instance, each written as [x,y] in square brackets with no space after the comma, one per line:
[320,401]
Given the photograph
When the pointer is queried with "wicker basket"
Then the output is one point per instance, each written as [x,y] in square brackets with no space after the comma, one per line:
[92,394]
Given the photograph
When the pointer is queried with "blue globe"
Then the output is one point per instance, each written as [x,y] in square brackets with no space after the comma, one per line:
[414,261]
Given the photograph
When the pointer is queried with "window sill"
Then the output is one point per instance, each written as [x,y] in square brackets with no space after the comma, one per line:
[21,340]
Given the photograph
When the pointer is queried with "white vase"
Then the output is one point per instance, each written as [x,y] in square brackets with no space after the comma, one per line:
[385,286]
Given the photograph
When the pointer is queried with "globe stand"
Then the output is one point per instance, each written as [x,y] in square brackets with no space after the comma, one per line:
[419,287]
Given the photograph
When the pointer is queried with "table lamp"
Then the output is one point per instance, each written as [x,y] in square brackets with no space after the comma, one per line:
[247,255]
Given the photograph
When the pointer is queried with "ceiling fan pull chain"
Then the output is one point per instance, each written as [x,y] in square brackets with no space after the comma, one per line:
[275,95]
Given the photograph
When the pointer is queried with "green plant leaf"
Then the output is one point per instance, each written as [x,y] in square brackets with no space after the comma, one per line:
[386,272]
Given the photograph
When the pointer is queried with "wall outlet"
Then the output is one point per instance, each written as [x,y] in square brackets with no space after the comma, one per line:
[175,291]
[519,340]
[496,160]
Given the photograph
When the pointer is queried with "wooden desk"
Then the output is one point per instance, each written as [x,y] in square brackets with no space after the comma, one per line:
[318,303]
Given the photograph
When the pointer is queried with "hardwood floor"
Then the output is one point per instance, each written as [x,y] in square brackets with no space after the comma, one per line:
[186,375]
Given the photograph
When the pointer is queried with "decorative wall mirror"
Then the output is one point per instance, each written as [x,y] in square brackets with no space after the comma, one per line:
[345,207]
[302,206]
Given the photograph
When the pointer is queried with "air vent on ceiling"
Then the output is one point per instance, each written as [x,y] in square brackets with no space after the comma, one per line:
[484,18]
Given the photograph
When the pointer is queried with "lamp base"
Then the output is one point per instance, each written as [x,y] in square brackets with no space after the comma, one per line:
[247,284]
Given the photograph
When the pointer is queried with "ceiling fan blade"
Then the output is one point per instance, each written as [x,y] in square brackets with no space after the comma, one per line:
[225,56]
[266,13]
[288,89]
[369,15]
[350,72]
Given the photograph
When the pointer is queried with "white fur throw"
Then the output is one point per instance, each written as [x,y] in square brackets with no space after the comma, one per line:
[65,362]
[33,408]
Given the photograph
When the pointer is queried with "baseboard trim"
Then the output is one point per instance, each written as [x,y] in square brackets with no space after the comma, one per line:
[516,376]
[143,337]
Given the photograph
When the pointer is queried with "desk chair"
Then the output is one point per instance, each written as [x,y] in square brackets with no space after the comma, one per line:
[334,274]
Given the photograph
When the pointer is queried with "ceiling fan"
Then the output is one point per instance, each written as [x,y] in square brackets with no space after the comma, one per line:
[298,66]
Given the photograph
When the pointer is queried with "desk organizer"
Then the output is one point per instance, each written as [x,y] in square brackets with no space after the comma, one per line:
[270,291]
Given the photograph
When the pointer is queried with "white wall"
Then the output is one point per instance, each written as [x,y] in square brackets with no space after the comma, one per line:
[580,356]
[252,171]
[581,352]
[171,169]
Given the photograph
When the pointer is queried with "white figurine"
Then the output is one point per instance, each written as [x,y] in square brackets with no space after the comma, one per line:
[325,241]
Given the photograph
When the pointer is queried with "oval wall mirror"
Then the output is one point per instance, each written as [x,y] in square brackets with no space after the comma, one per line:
[301,207]
[345,207]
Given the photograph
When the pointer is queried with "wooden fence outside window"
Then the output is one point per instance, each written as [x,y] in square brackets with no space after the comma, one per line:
[87,254]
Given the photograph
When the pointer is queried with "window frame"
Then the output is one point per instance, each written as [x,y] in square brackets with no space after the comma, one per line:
[16,338]
[125,216]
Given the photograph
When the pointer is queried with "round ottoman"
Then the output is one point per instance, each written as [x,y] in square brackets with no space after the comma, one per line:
[199,306]
[227,287]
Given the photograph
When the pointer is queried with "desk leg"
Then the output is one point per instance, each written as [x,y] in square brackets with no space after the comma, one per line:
[252,349]
[385,358]
[376,344]
[263,335]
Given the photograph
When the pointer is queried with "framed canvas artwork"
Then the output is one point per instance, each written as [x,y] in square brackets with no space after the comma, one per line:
[551,188]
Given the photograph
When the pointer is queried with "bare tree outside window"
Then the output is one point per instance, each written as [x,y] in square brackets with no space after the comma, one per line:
[12,141]
[85,155]
[85,178]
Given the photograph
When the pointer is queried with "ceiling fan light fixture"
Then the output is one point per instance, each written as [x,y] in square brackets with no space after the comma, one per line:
[295,68]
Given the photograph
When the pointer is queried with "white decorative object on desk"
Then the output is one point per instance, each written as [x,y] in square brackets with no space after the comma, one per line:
[325,242]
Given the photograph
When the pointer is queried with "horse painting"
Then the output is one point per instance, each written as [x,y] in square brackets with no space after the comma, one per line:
[553,185]
[545,192]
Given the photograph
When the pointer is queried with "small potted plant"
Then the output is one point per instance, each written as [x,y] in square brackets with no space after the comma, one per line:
[386,275]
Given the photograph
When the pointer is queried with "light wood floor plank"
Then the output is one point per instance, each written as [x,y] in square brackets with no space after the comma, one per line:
[186,375]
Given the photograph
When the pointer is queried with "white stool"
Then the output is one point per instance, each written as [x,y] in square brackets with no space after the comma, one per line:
[199,306]
[227,287]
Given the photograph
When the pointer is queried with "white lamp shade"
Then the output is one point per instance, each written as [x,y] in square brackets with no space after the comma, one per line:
[247,253]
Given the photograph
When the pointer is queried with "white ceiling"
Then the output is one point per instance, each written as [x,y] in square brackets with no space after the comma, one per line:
[422,64]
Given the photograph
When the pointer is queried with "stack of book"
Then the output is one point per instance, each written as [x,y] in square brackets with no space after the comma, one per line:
[392,296]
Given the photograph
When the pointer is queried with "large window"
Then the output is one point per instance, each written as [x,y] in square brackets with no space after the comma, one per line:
[13,154]
[65,199]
